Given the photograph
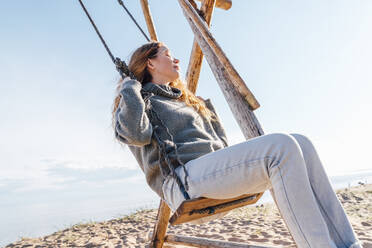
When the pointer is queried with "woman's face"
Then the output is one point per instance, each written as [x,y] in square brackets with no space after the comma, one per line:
[164,68]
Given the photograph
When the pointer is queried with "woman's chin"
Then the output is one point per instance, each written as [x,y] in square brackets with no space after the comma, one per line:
[175,76]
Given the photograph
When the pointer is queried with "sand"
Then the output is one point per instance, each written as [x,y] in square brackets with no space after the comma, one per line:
[260,225]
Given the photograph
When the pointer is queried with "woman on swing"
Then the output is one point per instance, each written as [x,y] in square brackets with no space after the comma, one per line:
[180,145]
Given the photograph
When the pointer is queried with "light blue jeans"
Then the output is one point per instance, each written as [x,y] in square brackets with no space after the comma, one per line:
[287,165]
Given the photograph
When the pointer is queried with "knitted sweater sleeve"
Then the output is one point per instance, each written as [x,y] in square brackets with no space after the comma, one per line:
[217,126]
[132,125]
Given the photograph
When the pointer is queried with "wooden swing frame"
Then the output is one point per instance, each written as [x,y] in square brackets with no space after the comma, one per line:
[241,102]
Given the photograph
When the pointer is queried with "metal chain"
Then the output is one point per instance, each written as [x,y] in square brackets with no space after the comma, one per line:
[164,155]
[175,147]
[162,146]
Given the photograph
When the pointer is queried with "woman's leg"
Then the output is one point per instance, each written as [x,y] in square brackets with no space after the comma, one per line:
[269,161]
[332,211]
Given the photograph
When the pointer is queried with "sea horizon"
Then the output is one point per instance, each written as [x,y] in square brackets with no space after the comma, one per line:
[39,212]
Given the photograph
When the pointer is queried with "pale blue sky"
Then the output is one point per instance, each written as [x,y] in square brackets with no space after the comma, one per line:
[308,64]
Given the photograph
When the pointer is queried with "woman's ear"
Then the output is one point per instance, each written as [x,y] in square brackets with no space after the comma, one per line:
[150,65]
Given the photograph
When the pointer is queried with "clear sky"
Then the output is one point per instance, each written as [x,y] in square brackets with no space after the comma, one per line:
[307,62]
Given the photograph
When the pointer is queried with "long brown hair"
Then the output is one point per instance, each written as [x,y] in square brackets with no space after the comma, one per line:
[138,65]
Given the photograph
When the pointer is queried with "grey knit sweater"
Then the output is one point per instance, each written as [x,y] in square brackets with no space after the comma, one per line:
[193,134]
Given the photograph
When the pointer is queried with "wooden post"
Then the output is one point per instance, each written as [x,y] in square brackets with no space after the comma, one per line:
[239,103]
[202,28]
[196,57]
[222,4]
[148,18]
[161,225]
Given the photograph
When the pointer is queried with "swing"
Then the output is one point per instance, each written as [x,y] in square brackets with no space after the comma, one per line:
[241,102]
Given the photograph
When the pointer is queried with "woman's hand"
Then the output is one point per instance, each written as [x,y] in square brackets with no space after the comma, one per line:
[122,82]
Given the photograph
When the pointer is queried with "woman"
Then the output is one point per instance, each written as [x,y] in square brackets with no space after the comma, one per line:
[181,146]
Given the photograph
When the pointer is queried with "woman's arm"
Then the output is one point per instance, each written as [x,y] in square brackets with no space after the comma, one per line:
[132,126]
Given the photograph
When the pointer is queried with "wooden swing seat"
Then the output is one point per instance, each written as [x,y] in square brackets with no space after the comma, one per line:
[195,209]
[202,207]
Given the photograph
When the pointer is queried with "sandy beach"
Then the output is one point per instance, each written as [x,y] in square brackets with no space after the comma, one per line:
[260,225]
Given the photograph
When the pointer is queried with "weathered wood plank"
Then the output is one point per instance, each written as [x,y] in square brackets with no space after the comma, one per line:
[222,4]
[193,3]
[202,28]
[190,210]
[239,103]
[204,242]
[196,57]
[148,18]
[206,202]
[161,225]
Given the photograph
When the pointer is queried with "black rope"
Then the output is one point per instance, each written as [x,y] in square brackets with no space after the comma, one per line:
[97,31]
[134,20]
[121,66]
[124,71]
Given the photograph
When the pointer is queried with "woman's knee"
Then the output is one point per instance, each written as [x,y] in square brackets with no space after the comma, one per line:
[303,140]
[284,139]
[285,148]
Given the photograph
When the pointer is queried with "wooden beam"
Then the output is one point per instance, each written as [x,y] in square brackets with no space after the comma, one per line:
[222,4]
[192,2]
[202,28]
[148,18]
[196,57]
[204,242]
[161,226]
[234,95]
